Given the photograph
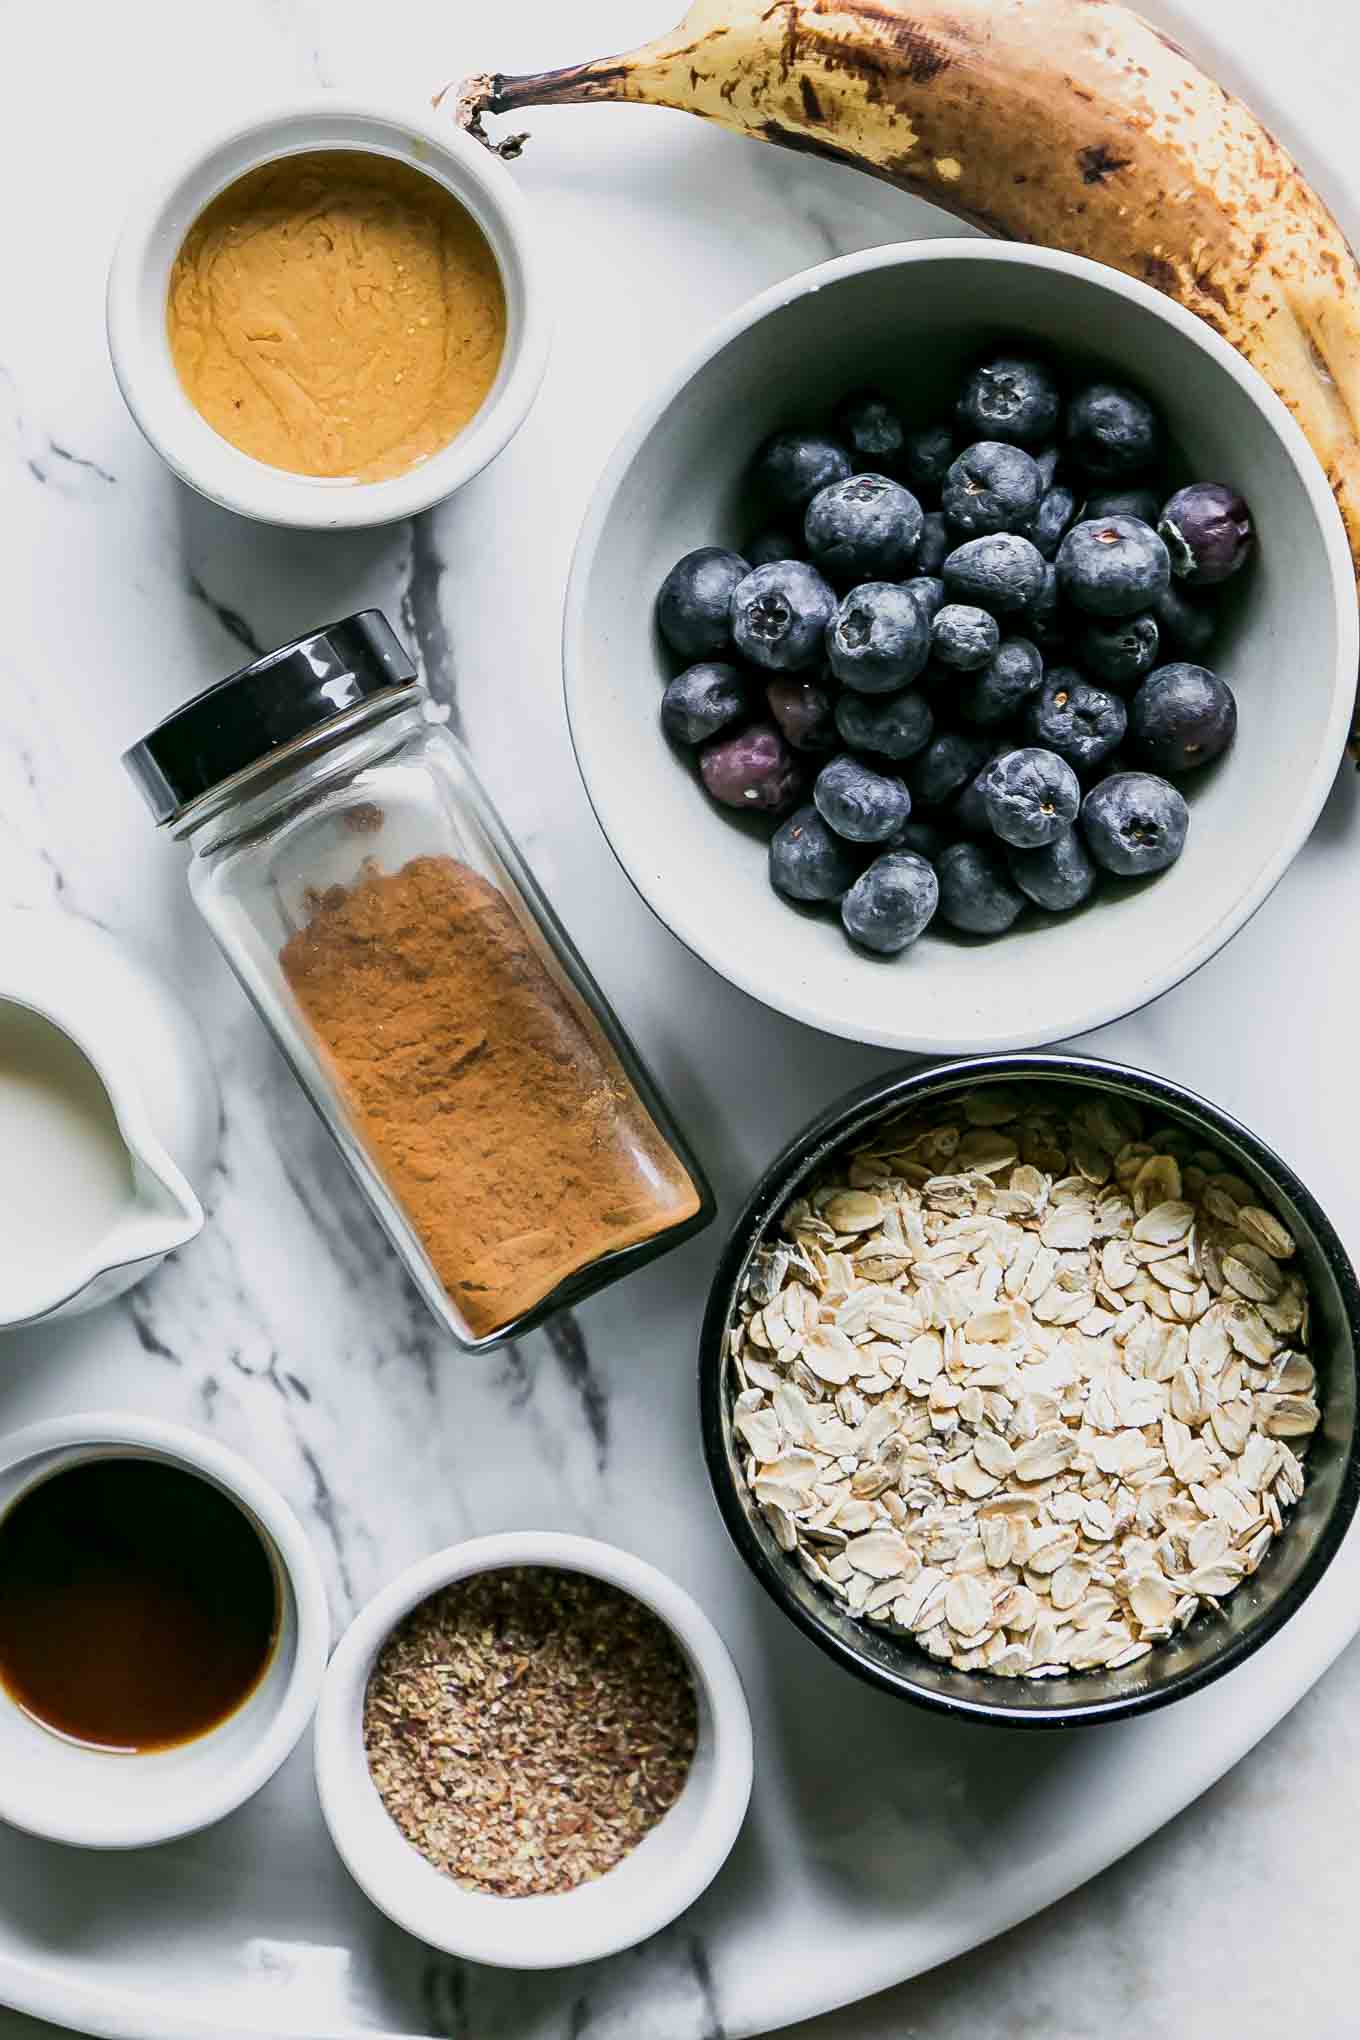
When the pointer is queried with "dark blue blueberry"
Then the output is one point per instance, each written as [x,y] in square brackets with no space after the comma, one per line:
[1119,650]
[1143,504]
[991,487]
[976,892]
[888,905]
[693,609]
[1015,397]
[928,455]
[860,804]
[927,839]
[945,767]
[1182,717]
[703,700]
[807,862]
[1003,573]
[1085,725]
[968,813]
[1112,433]
[1031,797]
[890,725]
[1057,508]
[1056,876]
[779,615]
[879,638]
[872,429]
[929,592]
[776,543]
[1134,823]
[1005,684]
[805,711]
[1187,626]
[937,542]
[864,529]
[754,770]
[964,637]
[1112,566]
[790,468]
[1045,620]
[1208,533]
[1047,461]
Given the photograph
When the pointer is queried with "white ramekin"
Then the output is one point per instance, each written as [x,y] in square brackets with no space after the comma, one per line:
[139,282]
[97,1799]
[664,1874]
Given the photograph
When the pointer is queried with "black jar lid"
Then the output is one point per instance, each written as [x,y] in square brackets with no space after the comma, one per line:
[272,702]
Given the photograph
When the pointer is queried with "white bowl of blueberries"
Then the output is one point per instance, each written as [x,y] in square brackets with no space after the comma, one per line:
[961,647]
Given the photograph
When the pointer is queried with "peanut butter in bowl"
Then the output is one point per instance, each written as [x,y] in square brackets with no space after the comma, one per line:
[337,314]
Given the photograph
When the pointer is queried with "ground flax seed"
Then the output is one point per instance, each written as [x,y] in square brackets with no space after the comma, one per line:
[490,1100]
[525,1729]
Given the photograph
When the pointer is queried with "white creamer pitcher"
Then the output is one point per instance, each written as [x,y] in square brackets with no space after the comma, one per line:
[109,1118]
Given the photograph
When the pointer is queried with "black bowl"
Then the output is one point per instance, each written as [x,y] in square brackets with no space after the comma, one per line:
[1212,1644]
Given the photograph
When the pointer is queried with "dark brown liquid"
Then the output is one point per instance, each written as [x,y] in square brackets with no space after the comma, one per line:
[138,1606]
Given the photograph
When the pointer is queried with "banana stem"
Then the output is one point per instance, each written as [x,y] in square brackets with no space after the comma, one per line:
[493,92]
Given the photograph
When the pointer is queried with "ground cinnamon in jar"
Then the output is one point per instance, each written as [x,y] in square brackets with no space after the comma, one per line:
[489,1100]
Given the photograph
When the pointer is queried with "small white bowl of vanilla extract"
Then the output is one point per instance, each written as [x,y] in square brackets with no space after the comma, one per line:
[163,1631]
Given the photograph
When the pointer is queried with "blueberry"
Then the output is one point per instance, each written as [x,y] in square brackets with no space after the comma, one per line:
[1143,504]
[807,862]
[891,725]
[879,638]
[1047,461]
[928,454]
[964,637]
[1057,508]
[804,710]
[693,609]
[929,592]
[863,529]
[1182,717]
[937,542]
[776,543]
[1187,626]
[779,615]
[1112,566]
[1134,823]
[1113,434]
[1085,725]
[1003,573]
[703,700]
[991,487]
[755,770]
[1208,533]
[1056,876]
[888,905]
[976,894]
[860,804]
[925,838]
[1045,619]
[945,766]
[1004,685]
[1031,797]
[790,468]
[872,429]
[968,813]
[1118,650]
[1013,397]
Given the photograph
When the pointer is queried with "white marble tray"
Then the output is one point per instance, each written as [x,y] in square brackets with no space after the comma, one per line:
[880,1840]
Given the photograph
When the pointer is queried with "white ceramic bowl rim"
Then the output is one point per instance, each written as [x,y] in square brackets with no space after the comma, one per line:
[558,1930]
[681,909]
[189,445]
[216,1793]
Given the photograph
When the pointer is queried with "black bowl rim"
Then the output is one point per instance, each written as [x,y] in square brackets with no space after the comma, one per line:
[835,1128]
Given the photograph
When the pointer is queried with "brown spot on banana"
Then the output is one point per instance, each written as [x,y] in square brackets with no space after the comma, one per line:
[1071,123]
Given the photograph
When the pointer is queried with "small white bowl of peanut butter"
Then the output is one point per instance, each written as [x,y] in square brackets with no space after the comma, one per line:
[331,315]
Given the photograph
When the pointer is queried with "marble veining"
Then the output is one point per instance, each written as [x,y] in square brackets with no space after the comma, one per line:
[877,1840]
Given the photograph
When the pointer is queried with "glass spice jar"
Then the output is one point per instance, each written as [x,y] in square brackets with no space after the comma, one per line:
[363,890]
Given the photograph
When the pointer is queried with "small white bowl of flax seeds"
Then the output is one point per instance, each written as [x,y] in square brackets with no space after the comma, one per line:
[533,1750]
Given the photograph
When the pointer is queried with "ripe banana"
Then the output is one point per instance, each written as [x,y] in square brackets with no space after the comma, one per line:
[1072,123]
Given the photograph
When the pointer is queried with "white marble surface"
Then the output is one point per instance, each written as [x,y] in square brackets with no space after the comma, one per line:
[287,1329]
